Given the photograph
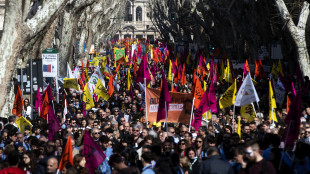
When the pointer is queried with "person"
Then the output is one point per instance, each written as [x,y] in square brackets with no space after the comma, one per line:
[13,160]
[79,162]
[194,161]
[214,163]
[182,146]
[199,147]
[146,159]
[256,163]
[117,163]
[29,162]
[52,165]
[185,164]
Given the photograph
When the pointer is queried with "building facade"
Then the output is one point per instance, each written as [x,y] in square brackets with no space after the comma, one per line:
[137,21]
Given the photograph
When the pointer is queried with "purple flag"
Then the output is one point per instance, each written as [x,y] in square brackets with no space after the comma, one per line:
[143,72]
[53,123]
[211,68]
[48,90]
[293,89]
[92,152]
[38,100]
[164,98]
[203,107]
[212,98]
[293,120]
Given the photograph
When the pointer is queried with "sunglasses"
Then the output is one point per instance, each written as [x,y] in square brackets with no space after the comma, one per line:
[198,141]
[182,144]
[96,133]
[122,120]
[307,132]
[136,130]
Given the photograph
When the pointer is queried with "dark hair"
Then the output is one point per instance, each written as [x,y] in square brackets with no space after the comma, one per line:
[147,157]
[77,159]
[211,150]
[13,158]
[115,158]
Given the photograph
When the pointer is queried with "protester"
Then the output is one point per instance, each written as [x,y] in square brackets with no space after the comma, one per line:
[113,126]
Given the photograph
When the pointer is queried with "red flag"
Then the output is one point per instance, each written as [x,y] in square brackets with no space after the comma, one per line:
[288,104]
[18,103]
[261,69]
[143,72]
[256,71]
[45,107]
[198,93]
[183,78]
[293,120]
[66,155]
[111,85]
[164,98]
[38,100]
[83,73]
[92,152]
[53,123]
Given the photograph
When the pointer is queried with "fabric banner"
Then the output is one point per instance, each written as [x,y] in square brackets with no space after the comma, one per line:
[22,122]
[179,108]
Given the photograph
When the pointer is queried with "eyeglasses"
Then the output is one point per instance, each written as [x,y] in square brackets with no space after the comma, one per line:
[137,130]
[96,133]
[110,144]
[116,111]
[172,132]
[307,132]
[122,120]
[182,144]
[198,141]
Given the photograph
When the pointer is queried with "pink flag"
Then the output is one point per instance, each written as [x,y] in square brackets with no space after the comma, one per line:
[164,98]
[202,63]
[92,152]
[38,100]
[212,98]
[293,120]
[84,108]
[143,72]
[293,89]
[211,68]
[174,69]
[245,72]
[53,123]
[203,107]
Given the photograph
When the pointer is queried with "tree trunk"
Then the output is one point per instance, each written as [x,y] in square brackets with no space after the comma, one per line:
[297,33]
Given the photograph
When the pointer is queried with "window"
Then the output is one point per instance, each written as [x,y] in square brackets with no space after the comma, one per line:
[139,14]
[128,16]
[127,36]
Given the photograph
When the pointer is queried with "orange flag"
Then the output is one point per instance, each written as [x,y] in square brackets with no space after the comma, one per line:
[111,85]
[288,104]
[246,65]
[66,155]
[198,93]
[173,90]
[117,69]
[44,107]
[256,73]
[18,103]
[183,79]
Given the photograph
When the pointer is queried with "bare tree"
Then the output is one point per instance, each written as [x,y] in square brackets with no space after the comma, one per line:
[33,25]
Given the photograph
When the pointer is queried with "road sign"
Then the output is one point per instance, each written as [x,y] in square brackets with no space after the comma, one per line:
[50,62]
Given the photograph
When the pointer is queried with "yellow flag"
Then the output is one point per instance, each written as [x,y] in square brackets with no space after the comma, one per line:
[101,91]
[188,59]
[129,80]
[239,127]
[272,104]
[279,68]
[227,74]
[170,72]
[247,112]
[204,85]
[207,115]
[254,82]
[274,71]
[95,62]
[87,98]
[21,123]
[208,66]
[228,98]
[71,83]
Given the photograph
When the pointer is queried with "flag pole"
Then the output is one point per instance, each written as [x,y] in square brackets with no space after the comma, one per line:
[285,141]
[172,81]
[233,121]
[190,121]
[166,113]
[254,109]
[145,102]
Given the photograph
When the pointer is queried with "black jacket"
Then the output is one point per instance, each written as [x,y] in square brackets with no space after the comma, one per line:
[215,165]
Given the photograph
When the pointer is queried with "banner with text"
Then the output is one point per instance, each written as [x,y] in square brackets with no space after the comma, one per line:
[179,109]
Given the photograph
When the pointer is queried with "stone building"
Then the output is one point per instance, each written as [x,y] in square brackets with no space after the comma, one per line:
[137,21]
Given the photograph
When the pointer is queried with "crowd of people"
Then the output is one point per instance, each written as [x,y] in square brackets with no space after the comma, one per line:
[134,145]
